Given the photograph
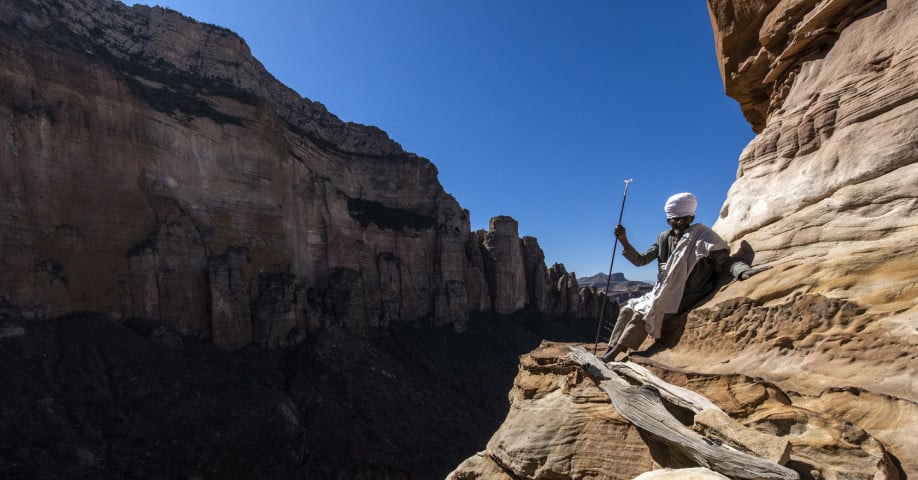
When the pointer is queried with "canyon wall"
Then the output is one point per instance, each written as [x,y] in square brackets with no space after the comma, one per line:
[821,349]
[826,194]
[151,167]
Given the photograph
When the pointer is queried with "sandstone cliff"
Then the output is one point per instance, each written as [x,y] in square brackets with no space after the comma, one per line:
[562,425]
[153,168]
[820,350]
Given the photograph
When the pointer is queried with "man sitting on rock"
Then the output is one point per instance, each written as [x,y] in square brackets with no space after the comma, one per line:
[688,256]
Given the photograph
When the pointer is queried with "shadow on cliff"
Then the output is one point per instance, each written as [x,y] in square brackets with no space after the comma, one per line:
[85,396]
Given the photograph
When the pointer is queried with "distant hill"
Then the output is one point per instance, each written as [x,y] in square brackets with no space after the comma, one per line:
[620,288]
[599,280]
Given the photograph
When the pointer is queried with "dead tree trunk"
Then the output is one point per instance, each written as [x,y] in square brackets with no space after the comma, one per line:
[643,406]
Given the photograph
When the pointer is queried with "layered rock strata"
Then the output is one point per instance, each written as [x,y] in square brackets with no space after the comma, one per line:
[152,167]
[503,260]
[825,193]
[562,425]
[826,190]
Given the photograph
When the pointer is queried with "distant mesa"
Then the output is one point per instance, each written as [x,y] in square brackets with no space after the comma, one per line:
[620,288]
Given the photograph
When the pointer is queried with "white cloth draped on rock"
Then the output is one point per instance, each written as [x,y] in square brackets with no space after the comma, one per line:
[696,243]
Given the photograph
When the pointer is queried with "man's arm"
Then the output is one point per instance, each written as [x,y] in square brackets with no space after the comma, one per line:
[638,259]
[740,270]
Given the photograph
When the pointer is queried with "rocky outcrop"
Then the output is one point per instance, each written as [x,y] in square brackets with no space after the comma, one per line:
[276,320]
[537,279]
[154,168]
[825,193]
[562,425]
[565,292]
[229,293]
[516,275]
[821,349]
[503,261]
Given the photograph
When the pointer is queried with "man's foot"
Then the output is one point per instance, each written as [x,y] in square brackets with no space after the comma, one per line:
[610,354]
[605,354]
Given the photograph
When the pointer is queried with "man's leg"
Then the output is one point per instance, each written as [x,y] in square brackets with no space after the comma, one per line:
[634,334]
[613,348]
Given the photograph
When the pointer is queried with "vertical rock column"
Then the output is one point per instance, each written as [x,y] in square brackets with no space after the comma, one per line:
[476,282]
[565,294]
[452,304]
[537,281]
[278,313]
[503,261]
[230,313]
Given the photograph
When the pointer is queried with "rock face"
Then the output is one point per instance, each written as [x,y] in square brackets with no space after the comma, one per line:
[821,349]
[153,168]
[826,194]
[561,425]
[826,191]
[503,257]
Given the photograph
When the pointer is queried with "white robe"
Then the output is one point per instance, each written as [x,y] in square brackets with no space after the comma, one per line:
[696,243]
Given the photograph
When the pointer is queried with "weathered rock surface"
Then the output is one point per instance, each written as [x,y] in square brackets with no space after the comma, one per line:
[699,473]
[826,194]
[503,259]
[537,280]
[152,167]
[826,191]
[561,425]
[821,349]
[826,354]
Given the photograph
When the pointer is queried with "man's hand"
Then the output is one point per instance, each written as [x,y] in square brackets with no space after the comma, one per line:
[753,271]
[619,233]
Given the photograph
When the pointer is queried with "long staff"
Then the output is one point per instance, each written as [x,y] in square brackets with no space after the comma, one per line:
[602,309]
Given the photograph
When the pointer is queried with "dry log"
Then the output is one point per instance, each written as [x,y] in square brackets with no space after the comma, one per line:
[716,424]
[674,394]
[644,408]
[710,420]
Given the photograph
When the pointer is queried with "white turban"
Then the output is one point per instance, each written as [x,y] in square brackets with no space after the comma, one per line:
[680,205]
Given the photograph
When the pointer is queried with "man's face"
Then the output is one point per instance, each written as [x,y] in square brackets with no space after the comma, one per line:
[680,223]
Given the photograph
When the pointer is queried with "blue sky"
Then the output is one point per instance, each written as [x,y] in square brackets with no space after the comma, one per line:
[536,109]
